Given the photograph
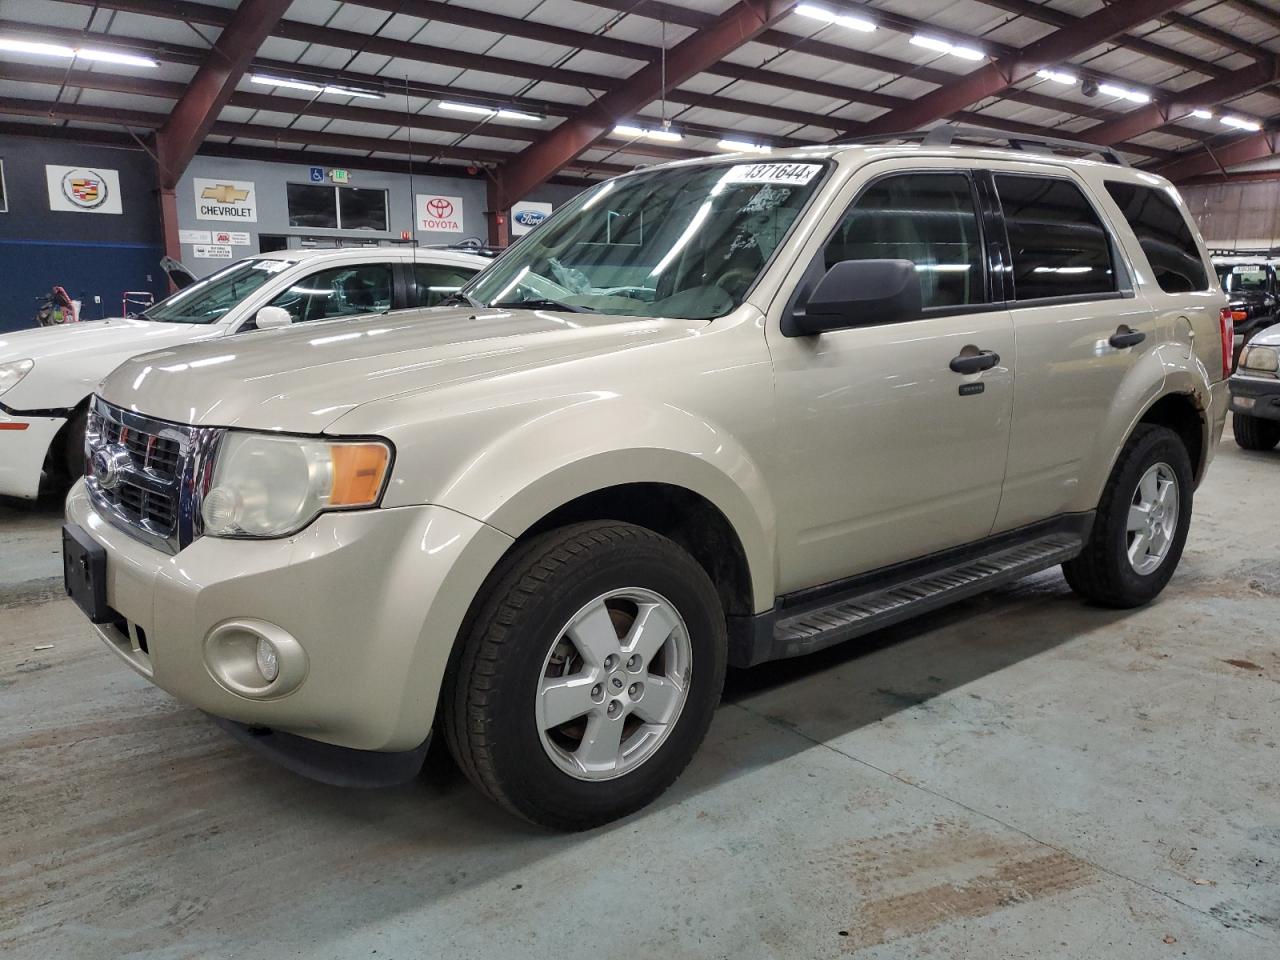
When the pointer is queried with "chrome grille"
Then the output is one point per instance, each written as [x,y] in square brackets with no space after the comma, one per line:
[146,476]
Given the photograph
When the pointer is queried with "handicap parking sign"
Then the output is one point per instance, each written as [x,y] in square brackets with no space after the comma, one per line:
[317,174]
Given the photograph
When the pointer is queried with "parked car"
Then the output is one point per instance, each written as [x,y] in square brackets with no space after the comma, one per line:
[47,375]
[780,404]
[1250,285]
[1255,392]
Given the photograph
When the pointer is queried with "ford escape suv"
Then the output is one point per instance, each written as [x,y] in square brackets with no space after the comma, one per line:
[709,414]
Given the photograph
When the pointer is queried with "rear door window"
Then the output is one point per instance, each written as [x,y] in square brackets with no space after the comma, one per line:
[927,218]
[1163,234]
[1058,243]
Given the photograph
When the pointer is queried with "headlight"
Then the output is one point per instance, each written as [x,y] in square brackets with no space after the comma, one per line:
[13,372]
[1260,358]
[272,486]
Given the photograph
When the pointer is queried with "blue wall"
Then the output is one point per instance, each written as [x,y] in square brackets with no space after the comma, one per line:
[86,253]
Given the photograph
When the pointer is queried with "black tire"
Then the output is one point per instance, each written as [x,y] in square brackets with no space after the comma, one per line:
[1255,433]
[73,445]
[488,700]
[1102,573]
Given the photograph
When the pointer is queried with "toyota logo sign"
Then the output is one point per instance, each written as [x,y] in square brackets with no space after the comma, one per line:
[440,208]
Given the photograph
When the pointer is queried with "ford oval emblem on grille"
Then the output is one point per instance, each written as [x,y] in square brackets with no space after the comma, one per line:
[109,465]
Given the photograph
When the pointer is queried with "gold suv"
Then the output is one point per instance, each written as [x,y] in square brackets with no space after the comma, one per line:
[709,414]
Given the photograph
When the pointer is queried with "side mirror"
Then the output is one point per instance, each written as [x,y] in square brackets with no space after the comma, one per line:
[269,318]
[856,293]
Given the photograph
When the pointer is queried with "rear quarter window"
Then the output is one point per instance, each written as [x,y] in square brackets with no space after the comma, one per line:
[1163,234]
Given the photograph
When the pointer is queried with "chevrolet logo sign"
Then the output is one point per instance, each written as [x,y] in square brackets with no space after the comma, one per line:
[224,193]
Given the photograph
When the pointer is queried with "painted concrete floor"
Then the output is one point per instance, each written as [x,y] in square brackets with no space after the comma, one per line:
[1019,776]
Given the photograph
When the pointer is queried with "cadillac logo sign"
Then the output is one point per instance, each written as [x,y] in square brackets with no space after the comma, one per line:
[84,188]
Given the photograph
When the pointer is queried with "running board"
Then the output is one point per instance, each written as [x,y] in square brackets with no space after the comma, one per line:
[852,615]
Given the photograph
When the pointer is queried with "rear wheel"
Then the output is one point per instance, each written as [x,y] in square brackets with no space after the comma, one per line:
[587,676]
[1141,524]
[1255,433]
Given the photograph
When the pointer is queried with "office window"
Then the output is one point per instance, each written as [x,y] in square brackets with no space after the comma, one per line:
[927,218]
[362,209]
[312,206]
[1059,246]
[1164,236]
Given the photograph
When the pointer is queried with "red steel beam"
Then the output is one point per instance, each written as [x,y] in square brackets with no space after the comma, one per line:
[736,26]
[213,84]
[995,78]
[1259,12]
[1156,115]
[1210,160]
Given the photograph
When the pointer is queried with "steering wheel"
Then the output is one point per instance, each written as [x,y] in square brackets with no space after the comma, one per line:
[736,281]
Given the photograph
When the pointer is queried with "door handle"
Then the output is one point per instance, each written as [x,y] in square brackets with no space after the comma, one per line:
[975,362]
[1124,337]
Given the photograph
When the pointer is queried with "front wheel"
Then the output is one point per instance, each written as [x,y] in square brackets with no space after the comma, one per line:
[73,451]
[1141,524]
[587,676]
[1255,433]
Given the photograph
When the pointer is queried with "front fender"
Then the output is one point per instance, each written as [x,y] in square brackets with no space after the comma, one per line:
[513,480]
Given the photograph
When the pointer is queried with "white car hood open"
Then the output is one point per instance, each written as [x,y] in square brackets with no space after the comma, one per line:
[303,378]
[71,359]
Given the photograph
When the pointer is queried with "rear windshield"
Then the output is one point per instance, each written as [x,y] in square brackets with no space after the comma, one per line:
[1242,278]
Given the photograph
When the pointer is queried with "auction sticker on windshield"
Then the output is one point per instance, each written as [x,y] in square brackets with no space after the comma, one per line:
[795,174]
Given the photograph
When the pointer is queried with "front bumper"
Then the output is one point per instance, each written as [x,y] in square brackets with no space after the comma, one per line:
[24,445]
[375,598]
[1256,396]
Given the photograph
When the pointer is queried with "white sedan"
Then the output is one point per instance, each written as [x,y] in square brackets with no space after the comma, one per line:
[47,374]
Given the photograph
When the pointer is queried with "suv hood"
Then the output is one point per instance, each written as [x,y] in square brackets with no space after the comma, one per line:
[303,378]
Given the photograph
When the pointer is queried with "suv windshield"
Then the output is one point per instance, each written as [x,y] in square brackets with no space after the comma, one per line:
[685,243]
[209,300]
[1241,278]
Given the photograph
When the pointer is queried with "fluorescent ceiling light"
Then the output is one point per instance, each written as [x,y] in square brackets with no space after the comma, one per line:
[841,19]
[1120,93]
[110,56]
[944,46]
[314,87]
[489,111]
[346,92]
[634,133]
[479,111]
[1242,123]
[742,146]
[291,84]
[1058,76]
[70,53]
[1202,114]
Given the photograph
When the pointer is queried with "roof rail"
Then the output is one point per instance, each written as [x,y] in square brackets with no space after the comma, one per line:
[945,133]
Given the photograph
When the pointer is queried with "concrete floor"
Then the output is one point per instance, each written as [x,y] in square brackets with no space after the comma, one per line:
[1019,776]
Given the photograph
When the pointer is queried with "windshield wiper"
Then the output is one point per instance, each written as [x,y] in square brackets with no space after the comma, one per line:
[540,304]
[460,299]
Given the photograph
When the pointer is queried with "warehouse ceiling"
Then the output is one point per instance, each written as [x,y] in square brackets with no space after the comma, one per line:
[473,83]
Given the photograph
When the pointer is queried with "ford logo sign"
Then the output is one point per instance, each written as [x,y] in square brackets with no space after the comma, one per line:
[529,218]
[109,465]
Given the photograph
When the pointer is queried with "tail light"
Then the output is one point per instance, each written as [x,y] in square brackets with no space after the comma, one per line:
[1228,327]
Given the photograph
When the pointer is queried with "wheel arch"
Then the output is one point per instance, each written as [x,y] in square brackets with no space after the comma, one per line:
[1185,415]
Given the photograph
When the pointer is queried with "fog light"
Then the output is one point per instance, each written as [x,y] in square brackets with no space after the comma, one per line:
[255,659]
[268,662]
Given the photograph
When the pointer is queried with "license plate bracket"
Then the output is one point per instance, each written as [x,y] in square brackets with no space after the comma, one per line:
[84,573]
